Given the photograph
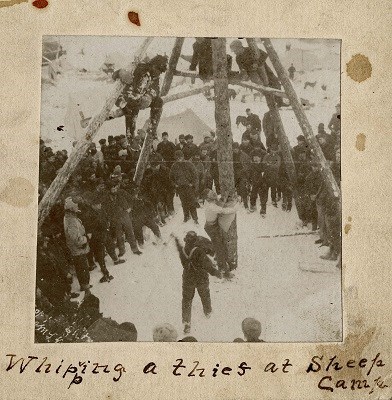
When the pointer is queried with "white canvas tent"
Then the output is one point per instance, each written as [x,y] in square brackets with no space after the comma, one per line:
[186,122]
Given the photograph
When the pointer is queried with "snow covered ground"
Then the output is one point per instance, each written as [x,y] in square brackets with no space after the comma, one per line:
[293,305]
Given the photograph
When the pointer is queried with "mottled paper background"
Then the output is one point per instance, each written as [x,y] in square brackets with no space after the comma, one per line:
[365,28]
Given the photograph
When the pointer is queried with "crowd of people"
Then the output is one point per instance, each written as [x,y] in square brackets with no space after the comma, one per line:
[101,207]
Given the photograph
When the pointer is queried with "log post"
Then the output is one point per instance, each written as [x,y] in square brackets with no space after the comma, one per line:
[282,137]
[328,178]
[173,61]
[224,139]
[148,140]
[58,184]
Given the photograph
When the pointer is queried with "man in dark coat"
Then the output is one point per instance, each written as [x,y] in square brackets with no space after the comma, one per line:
[202,57]
[142,91]
[166,149]
[196,268]
[190,148]
[270,130]
[181,142]
[241,166]
[144,214]
[184,177]
[97,228]
[250,66]
[117,203]
[256,180]
[253,120]
[271,162]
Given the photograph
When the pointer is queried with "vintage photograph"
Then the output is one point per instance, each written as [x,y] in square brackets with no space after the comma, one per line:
[189,190]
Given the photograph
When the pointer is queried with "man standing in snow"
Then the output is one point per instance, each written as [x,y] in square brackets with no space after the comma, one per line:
[77,242]
[185,179]
[166,149]
[196,268]
[292,71]
[257,180]
[271,162]
[117,205]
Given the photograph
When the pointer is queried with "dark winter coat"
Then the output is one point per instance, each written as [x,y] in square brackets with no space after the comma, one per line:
[166,150]
[246,61]
[241,165]
[271,163]
[196,265]
[97,223]
[115,205]
[256,174]
[254,121]
[190,150]
[184,173]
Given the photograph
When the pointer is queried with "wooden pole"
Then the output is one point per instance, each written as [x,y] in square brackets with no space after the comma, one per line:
[282,137]
[148,140]
[224,140]
[173,61]
[58,184]
[328,178]
[263,89]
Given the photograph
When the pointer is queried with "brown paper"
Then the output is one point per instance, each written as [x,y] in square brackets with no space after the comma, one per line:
[364,28]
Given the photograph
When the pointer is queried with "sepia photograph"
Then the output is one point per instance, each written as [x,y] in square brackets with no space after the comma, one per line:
[189,190]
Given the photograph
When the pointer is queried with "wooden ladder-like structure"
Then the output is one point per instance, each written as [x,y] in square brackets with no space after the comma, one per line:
[223,127]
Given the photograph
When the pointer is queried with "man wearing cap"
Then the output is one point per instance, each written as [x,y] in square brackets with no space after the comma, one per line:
[253,120]
[116,203]
[77,242]
[301,147]
[256,180]
[97,225]
[196,268]
[206,145]
[141,92]
[184,176]
[190,148]
[166,149]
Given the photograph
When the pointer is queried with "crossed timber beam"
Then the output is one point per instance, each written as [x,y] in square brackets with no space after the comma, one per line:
[249,85]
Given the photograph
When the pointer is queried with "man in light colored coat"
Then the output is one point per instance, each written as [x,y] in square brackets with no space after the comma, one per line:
[77,242]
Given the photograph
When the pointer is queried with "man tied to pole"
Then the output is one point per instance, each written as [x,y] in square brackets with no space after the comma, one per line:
[219,217]
[142,91]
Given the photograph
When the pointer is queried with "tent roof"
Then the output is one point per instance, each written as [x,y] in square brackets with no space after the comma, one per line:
[186,122]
